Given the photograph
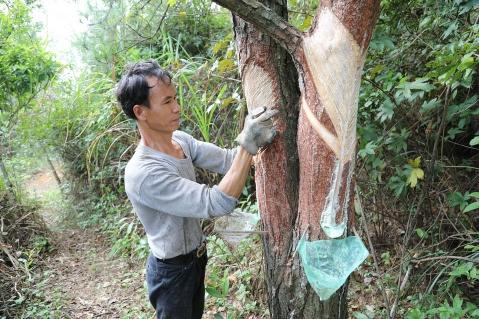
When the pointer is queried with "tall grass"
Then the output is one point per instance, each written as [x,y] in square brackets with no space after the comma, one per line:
[209,96]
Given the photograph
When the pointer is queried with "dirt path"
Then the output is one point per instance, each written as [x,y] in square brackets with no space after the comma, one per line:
[90,284]
[81,280]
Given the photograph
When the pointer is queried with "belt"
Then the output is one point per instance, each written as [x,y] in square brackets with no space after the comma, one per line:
[186,258]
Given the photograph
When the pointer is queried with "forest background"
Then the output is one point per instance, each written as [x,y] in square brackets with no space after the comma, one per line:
[417,160]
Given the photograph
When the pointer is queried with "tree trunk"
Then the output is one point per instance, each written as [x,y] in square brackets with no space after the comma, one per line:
[305,179]
[270,79]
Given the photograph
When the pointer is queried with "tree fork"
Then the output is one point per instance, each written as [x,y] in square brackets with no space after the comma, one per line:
[329,60]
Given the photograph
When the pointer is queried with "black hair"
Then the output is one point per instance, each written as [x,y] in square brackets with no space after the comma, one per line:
[133,88]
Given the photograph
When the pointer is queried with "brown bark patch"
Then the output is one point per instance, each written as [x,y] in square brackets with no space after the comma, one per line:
[358,16]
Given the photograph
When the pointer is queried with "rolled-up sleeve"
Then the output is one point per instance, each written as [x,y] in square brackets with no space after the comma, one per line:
[172,194]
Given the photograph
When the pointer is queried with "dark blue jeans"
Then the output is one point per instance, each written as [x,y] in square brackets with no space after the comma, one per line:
[177,289]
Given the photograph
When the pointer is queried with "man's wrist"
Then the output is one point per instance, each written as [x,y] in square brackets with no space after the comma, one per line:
[244,153]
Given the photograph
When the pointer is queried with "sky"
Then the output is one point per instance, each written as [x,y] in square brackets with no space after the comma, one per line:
[61,21]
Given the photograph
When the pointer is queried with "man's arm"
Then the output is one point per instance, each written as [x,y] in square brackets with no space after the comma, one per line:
[165,191]
[234,180]
[258,131]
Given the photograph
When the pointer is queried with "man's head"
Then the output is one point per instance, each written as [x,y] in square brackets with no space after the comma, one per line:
[135,84]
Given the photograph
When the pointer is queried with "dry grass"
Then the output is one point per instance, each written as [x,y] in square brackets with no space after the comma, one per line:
[19,226]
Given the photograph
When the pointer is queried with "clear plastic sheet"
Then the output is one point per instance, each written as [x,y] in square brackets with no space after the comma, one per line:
[236,226]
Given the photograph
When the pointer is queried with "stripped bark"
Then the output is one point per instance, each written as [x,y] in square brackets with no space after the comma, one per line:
[316,199]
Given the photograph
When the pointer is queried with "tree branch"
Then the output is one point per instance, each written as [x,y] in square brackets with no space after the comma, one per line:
[265,20]
[145,38]
[473,260]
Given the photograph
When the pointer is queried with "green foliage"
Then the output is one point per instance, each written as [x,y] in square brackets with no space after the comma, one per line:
[417,129]
[232,283]
[38,304]
[474,205]
[302,12]
[467,270]
[450,307]
[467,202]
[25,65]
[81,121]
[129,239]
[25,70]
[122,31]
[457,309]
[206,102]
[203,23]
[220,286]
[474,141]
[435,68]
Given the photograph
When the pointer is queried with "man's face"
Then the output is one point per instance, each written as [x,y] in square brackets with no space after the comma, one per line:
[163,115]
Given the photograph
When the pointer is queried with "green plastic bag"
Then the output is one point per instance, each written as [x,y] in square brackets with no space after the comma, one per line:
[328,263]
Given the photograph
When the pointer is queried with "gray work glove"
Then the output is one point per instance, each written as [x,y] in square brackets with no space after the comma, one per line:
[258,130]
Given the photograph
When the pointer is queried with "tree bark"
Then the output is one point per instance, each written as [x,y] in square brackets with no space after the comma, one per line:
[305,179]
[270,79]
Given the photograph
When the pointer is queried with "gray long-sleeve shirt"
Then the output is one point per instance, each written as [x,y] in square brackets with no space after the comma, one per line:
[168,200]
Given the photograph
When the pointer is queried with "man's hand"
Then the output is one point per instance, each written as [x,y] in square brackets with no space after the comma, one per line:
[258,130]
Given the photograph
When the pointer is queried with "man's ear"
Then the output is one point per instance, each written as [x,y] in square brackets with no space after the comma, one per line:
[139,112]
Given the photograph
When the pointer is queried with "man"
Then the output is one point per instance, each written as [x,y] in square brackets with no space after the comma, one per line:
[160,183]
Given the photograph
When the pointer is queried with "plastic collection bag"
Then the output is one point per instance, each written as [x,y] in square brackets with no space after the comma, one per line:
[236,226]
[328,263]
